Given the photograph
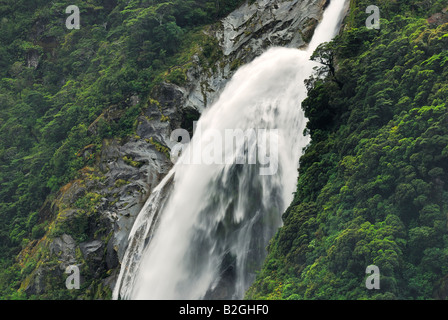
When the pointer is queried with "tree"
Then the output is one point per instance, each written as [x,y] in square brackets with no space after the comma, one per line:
[325,55]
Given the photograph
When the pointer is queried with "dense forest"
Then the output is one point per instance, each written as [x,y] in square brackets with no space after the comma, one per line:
[372,187]
[56,81]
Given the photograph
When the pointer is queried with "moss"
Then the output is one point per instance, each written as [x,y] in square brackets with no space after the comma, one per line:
[154,101]
[76,223]
[89,201]
[131,162]
[235,64]
[38,231]
[120,182]
[177,76]
[159,147]
[164,118]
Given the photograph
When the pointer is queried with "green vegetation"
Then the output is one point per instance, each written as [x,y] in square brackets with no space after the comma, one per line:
[160,147]
[56,83]
[372,186]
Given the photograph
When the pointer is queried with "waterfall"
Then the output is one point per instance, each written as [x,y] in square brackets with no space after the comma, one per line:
[203,232]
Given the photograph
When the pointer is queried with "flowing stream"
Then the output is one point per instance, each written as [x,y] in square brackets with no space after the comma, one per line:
[203,232]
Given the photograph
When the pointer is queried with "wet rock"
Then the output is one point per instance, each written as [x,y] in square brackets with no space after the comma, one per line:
[111,256]
[37,284]
[93,253]
[128,169]
[245,34]
[64,248]
[92,248]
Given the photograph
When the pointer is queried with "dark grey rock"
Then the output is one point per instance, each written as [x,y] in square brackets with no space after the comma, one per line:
[92,248]
[64,248]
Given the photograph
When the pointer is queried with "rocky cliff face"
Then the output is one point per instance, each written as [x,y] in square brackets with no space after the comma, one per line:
[90,218]
[245,34]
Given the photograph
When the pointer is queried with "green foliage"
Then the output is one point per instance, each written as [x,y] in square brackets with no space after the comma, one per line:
[371,187]
[55,83]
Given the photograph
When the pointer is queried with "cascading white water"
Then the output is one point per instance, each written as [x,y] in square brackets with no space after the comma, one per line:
[202,233]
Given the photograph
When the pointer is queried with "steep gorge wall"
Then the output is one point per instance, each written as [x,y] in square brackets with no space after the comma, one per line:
[91,217]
